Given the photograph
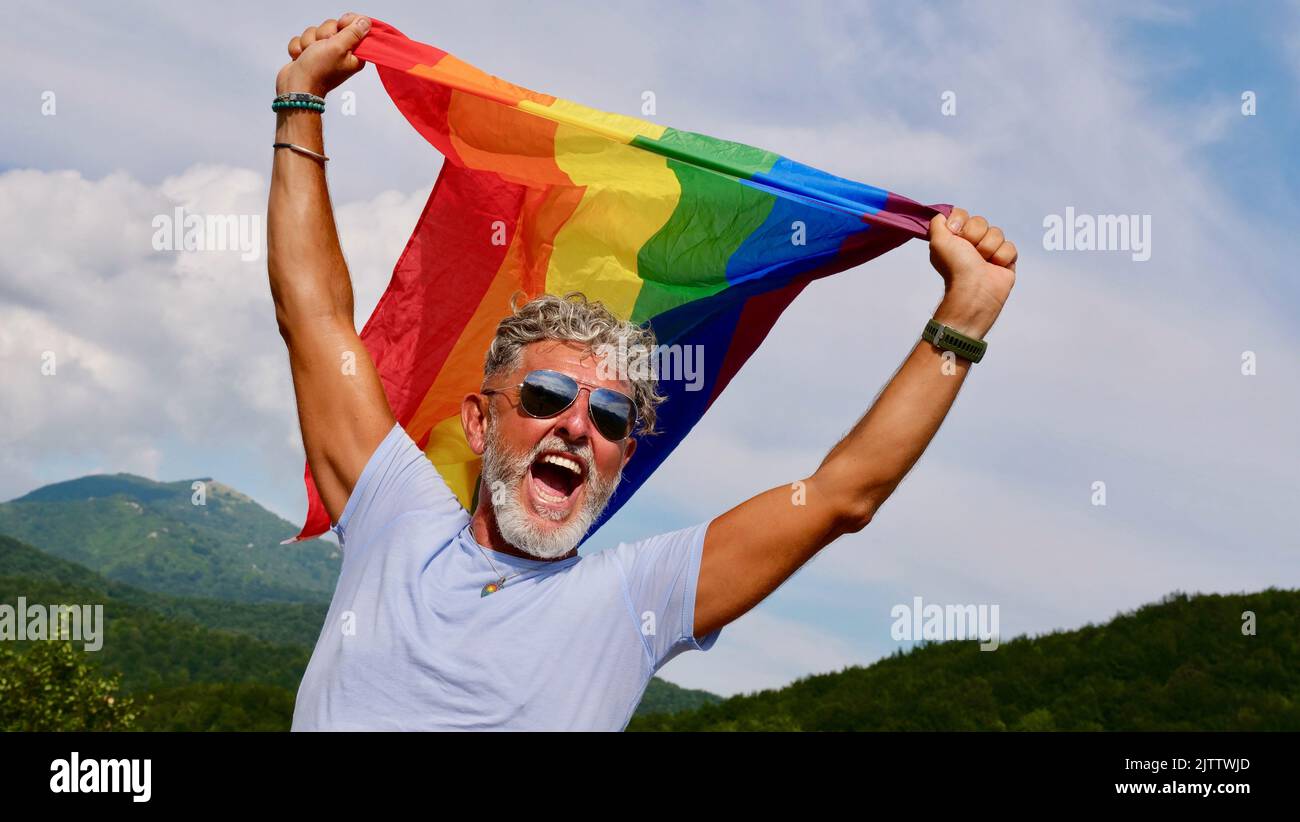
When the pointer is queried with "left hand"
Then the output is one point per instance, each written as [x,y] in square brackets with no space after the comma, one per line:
[978,266]
[322,56]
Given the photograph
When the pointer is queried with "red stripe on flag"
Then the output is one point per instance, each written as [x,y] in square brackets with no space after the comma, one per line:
[387,46]
[438,283]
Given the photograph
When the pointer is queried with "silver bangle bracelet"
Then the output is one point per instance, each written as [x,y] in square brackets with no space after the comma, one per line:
[303,151]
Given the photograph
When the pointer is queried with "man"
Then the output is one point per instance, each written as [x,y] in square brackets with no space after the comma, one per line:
[445,620]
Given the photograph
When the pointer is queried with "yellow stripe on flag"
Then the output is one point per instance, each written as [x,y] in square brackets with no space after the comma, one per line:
[449,452]
[628,195]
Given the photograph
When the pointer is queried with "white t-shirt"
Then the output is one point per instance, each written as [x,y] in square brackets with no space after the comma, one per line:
[411,643]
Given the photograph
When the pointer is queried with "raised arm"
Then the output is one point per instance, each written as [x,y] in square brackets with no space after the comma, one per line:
[341,405]
[757,545]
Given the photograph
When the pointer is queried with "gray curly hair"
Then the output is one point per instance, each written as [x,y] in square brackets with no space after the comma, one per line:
[574,318]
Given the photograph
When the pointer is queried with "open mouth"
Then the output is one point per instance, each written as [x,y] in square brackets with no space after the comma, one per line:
[554,480]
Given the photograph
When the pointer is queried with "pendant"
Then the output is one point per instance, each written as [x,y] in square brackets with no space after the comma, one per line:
[493,587]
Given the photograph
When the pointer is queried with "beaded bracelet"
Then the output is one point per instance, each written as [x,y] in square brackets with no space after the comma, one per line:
[319,109]
[299,100]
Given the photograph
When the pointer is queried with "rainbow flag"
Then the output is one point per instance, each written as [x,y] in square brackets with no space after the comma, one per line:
[706,240]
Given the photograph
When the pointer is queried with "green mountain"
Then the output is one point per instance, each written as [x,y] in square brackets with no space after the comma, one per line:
[663,697]
[153,536]
[1181,664]
[152,651]
[25,570]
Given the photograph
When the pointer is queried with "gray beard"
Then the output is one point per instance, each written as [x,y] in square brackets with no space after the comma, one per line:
[503,477]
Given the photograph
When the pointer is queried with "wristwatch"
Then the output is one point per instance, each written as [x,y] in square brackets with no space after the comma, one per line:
[947,339]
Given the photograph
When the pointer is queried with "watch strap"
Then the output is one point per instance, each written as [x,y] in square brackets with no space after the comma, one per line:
[949,339]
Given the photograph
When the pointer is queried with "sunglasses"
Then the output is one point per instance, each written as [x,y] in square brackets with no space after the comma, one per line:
[545,393]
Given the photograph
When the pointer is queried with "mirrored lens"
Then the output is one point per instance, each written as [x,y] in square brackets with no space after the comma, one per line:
[613,413]
[547,393]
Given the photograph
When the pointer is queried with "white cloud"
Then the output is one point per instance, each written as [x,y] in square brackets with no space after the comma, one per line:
[158,354]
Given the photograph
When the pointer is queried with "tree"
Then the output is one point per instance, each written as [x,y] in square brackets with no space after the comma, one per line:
[51,687]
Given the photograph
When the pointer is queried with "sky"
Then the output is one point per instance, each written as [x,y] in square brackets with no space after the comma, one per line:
[1102,368]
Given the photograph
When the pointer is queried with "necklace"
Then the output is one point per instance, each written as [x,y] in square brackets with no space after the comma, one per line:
[501,580]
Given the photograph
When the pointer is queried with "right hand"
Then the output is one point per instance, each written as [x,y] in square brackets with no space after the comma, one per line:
[322,56]
[978,266]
